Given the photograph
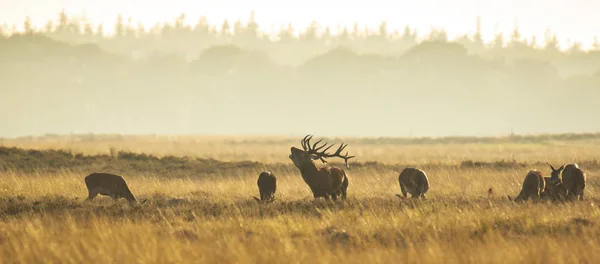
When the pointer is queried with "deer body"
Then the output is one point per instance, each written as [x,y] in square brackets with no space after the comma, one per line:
[322,181]
[573,180]
[413,181]
[108,184]
[553,191]
[267,185]
[533,186]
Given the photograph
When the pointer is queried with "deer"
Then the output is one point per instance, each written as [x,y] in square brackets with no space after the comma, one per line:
[553,191]
[267,185]
[573,179]
[413,181]
[533,186]
[110,185]
[323,181]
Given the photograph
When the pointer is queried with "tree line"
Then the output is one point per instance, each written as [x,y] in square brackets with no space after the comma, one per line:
[176,78]
[189,40]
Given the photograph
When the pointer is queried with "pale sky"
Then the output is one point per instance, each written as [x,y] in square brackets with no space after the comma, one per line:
[575,19]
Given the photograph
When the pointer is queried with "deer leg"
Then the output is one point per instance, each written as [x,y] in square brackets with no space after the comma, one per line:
[334,196]
[91,195]
[404,193]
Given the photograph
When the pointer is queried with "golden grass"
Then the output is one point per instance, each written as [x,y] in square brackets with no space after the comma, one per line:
[212,218]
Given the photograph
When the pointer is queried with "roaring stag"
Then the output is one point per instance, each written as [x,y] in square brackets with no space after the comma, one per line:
[267,185]
[413,181]
[108,184]
[533,186]
[326,181]
[574,180]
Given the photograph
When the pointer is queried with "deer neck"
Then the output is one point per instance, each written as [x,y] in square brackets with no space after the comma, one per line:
[309,169]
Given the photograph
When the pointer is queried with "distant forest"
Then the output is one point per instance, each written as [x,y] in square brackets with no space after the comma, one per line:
[70,77]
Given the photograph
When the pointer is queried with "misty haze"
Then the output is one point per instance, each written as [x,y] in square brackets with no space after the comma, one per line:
[384,131]
[229,77]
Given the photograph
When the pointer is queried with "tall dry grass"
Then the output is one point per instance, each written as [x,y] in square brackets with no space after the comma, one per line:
[212,218]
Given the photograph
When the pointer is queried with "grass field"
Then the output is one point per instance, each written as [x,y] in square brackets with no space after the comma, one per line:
[200,207]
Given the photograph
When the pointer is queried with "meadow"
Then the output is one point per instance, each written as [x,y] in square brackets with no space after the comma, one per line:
[200,207]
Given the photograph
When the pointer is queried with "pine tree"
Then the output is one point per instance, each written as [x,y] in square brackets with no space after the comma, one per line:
[130,30]
[596,44]
[498,42]
[286,34]
[63,21]
[383,29]
[550,40]
[238,28]
[140,31]
[311,31]
[225,29]
[438,35]
[409,36]
[27,28]
[88,29]
[533,42]
[344,34]
[180,22]
[49,27]
[252,27]
[100,30]
[119,26]
[202,26]
[477,37]
[515,37]
[356,31]
[575,47]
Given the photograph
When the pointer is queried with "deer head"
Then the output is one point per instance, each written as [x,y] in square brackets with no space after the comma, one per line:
[555,175]
[308,153]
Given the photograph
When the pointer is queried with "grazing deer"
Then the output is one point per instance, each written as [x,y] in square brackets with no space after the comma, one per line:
[553,191]
[573,180]
[267,185]
[326,181]
[108,184]
[413,181]
[533,186]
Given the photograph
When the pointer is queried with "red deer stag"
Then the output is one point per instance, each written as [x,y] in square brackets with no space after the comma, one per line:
[267,185]
[326,181]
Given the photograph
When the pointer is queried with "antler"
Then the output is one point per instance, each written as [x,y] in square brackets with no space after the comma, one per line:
[322,155]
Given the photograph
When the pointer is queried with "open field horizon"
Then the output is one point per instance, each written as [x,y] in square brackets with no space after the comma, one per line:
[200,208]
[275,148]
[191,107]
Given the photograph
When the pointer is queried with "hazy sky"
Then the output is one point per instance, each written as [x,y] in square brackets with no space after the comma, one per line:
[575,19]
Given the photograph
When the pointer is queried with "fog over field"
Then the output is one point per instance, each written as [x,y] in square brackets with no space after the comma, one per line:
[179,113]
[196,76]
